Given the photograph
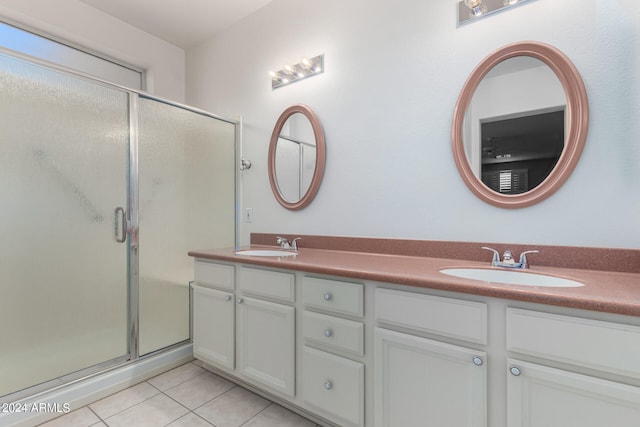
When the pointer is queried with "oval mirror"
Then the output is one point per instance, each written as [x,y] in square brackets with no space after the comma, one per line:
[520,124]
[296,157]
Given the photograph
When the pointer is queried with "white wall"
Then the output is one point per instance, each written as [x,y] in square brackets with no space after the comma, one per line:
[386,99]
[79,23]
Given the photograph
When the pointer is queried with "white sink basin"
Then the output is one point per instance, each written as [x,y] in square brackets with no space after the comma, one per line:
[511,277]
[265,252]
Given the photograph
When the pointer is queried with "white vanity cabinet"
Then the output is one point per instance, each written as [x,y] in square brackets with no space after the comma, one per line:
[214,314]
[364,354]
[332,366]
[421,381]
[579,393]
[266,328]
[244,323]
[213,326]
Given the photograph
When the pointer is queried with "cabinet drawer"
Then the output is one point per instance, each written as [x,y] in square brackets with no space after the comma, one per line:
[605,346]
[267,283]
[465,320]
[334,385]
[333,295]
[210,273]
[334,332]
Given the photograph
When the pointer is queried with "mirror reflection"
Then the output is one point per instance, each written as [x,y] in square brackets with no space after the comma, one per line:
[295,157]
[515,125]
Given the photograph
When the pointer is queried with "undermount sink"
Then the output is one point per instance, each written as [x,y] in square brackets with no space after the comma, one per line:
[511,277]
[265,252]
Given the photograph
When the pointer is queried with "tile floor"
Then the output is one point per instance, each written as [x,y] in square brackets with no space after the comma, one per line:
[187,396]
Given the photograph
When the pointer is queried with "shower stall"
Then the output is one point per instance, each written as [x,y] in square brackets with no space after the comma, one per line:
[103,190]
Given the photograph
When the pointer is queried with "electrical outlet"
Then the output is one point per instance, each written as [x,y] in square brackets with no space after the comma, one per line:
[248,215]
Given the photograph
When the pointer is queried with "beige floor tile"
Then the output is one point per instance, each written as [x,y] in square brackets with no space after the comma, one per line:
[176,376]
[157,411]
[199,390]
[82,417]
[276,415]
[190,420]
[233,408]
[125,399]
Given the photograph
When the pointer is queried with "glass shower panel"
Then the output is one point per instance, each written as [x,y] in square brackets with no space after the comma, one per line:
[186,201]
[63,277]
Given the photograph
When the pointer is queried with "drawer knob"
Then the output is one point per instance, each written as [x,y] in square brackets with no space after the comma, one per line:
[515,371]
[328,385]
[477,360]
[240,300]
[328,296]
[328,332]
[227,298]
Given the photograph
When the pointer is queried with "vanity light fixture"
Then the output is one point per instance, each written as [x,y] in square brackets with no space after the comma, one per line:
[470,10]
[293,73]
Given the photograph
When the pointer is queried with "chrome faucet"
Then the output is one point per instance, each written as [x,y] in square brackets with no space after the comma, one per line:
[286,244]
[507,259]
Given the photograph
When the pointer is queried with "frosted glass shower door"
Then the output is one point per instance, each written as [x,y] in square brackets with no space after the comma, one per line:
[186,163]
[64,149]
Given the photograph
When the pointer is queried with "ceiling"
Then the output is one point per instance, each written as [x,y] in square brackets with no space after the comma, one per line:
[182,23]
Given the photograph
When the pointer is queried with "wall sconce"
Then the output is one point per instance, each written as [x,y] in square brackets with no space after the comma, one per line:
[470,10]
[300,71]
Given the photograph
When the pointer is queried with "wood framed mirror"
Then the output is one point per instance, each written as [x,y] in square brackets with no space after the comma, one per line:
[520,124]
[296,157]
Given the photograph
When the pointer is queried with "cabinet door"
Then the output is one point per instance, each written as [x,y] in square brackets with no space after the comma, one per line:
[421,382]
[539,396]
[266,335]
[213,326]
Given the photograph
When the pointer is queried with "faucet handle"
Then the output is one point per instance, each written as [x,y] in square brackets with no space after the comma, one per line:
[496,255]
[282,242]
[523,258]
[294,244]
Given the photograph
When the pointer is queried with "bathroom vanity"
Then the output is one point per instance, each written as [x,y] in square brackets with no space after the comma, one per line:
[364,339]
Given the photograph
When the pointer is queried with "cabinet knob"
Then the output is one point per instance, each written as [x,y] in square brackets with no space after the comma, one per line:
[477,360]
[227,298]
[328,385]
[328,332]
[515,371]
[240,300]
[328,296]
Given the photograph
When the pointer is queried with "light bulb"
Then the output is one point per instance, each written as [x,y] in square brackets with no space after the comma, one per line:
[476,6]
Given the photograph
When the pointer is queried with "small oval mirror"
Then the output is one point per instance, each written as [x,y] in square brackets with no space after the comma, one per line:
[296,157]
[520,124]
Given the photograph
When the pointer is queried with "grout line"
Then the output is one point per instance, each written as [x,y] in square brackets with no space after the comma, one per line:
[94,412]
[259,412]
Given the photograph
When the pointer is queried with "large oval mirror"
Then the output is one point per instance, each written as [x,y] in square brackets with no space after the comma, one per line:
[520,124]
[296,157]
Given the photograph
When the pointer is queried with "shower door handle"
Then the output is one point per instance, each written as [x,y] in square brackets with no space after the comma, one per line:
[120,217]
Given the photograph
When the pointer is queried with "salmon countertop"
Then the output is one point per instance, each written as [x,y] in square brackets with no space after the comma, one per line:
[605,291]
